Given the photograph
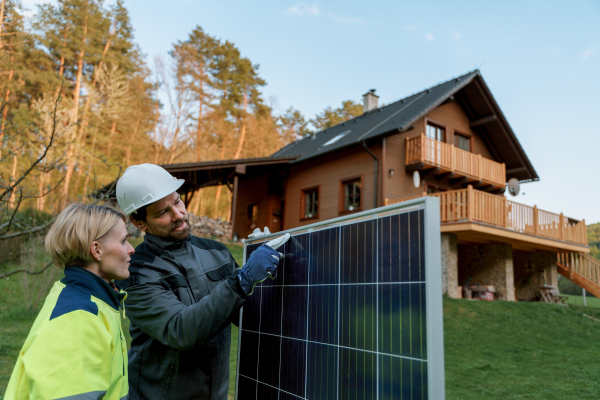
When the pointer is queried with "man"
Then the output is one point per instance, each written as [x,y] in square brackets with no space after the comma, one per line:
[182,294]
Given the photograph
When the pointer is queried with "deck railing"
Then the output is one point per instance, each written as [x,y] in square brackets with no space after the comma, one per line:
[470,205]
[582,264]
[422,149]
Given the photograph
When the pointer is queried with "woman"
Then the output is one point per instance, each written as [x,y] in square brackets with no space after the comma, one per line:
[76,347]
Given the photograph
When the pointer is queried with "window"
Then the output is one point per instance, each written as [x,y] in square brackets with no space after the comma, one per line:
[462,142]
[336,138]
[252,211]
[436,132]
[351,190]
[310,203]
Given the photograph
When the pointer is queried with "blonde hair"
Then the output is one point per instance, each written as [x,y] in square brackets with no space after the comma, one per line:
[69,239]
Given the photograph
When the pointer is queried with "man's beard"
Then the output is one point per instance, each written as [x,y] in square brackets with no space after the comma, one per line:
[181,235]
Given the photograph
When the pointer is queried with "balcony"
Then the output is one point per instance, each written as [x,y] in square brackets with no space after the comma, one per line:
[423,153]
[477,216]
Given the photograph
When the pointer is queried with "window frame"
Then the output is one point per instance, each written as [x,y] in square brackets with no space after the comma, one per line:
[251,222]
[342,194]
[303,194]
[466,136]
[429,122]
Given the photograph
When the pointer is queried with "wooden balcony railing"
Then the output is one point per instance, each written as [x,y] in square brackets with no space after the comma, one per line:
[582,269]
[582,264]
[470,205]
[427,151]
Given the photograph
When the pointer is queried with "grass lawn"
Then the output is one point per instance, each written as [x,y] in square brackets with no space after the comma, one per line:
[590,301]
[493,350]
[502,350]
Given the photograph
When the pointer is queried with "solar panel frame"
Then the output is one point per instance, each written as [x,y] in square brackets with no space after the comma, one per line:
[303,336]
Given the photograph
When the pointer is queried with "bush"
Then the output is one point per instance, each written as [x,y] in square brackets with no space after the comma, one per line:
[26,219]
[565,286]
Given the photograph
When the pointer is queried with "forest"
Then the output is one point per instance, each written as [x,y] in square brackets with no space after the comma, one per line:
[79,103]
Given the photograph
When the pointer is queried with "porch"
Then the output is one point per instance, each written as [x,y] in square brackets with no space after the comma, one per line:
[491,240]
[477,216]
[430,155]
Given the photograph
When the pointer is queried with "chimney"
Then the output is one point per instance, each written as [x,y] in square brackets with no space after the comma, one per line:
[370,101]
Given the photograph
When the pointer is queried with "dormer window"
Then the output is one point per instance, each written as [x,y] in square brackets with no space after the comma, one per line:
[336,138]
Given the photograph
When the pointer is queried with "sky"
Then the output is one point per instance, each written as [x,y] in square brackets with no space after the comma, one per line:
[540,59]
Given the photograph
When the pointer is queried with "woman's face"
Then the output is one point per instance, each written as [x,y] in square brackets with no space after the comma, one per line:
[115,254]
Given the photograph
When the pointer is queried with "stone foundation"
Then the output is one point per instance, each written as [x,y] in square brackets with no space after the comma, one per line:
[488,265]
[450,266]
[533,270]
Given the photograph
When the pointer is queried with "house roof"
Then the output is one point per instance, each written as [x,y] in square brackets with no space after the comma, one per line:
[469,90]
[210,173]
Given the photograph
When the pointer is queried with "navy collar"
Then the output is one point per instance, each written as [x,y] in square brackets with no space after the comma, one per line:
[89,282]
[164,244]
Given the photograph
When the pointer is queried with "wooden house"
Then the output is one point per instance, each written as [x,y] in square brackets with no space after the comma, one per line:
[455,136]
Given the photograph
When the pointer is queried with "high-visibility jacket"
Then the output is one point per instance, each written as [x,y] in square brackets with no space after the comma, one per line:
[76,347]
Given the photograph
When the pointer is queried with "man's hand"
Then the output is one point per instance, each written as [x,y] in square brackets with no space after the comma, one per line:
[263,263]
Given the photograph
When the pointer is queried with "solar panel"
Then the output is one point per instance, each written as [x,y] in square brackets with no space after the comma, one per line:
[354,313]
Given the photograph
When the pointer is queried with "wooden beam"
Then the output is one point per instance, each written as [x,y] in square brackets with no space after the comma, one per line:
[415,167]
[444,176]
[240,169]
[514,170]
[484,120]
[462,179]
[428,171]
[507,236]
[234,205]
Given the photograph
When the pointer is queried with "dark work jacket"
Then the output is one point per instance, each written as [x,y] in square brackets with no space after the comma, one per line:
[181,300]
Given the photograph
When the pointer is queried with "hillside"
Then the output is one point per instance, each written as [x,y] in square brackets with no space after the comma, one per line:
[493,350]
[593,233]
[501,350]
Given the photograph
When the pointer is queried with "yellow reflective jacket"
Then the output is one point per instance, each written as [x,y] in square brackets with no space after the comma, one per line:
[76,347]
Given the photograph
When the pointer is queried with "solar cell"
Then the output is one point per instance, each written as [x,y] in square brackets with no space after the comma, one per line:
[354,312]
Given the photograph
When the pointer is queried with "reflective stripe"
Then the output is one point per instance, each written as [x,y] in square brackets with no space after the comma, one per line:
[86,396]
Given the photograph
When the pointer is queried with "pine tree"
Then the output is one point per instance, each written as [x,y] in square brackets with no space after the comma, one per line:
[330,117]
[195,58]
[292,125]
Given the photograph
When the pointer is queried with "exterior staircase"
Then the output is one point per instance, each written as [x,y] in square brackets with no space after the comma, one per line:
[582,269]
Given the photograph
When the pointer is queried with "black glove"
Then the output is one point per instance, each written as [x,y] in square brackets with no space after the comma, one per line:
[263,263]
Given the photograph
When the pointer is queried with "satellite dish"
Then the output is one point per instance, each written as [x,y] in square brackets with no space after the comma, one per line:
[513,186]
[416,179]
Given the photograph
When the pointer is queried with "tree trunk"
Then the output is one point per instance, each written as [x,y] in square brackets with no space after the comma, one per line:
[238,152]
[131,140]
[13,173]
[113,128]
[1,21]
[219,187]
[42,183]
[199,133]
[74,117]
[89,168]
[84,117]
[5,111]
[199,198]
[156,147]
[61,69]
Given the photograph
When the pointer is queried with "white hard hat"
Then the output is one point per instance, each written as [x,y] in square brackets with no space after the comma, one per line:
[144,184]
